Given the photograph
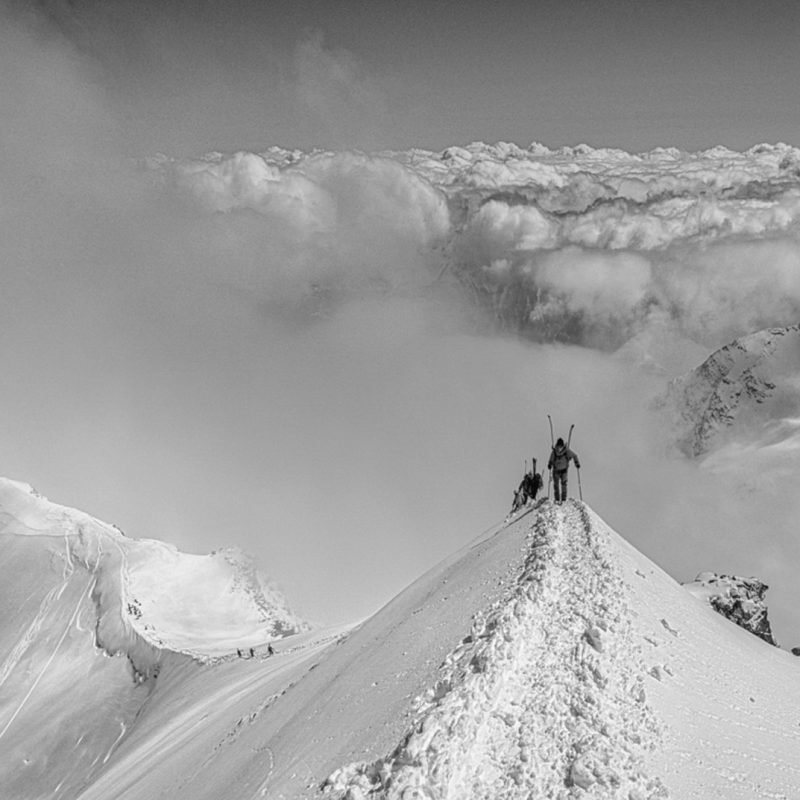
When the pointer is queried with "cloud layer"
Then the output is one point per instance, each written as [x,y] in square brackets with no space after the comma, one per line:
[588,240]
[668,254]
[309,354]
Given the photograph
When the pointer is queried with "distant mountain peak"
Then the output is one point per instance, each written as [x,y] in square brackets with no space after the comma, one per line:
[737,390]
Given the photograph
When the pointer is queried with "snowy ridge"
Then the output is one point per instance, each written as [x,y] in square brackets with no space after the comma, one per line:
[91,620]
[738,390]
[86,551]
[547,658]
[149,596]
[534,700]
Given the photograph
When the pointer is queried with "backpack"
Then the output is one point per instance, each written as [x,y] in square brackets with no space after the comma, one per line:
[560,460]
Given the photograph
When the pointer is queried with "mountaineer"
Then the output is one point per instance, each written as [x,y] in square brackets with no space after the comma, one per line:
[528,488]
[558,464]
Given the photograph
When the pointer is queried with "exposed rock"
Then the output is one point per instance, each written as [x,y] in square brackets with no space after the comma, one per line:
[741,600]
[736,388]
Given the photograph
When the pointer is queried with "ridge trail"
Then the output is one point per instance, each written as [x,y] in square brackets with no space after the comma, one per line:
[544,698]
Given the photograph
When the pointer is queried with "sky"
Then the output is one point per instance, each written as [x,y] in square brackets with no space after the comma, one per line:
[189,77]
[161,366]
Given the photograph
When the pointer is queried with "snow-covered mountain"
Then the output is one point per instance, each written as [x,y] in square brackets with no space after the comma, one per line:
[745,392]
[547,658]
[91,619]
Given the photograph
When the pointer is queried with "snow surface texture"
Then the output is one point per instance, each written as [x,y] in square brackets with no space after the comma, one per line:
[92,618]
[741,600]
[544,697]
[576,244]
[548,658]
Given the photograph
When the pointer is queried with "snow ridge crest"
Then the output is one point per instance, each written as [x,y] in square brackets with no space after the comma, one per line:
[150,600]
[543,698]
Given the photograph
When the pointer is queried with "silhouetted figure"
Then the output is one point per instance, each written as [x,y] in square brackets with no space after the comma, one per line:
[558,464]
[252,653]
[238,652]
[270,650]
[528,488]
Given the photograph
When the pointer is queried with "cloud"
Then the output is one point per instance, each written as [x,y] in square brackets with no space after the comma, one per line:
[347,223]
[499,229]
[601,285]
[732,288]
[335,97]
[253,348]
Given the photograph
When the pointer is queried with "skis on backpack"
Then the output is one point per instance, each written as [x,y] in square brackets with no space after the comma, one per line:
[553,447]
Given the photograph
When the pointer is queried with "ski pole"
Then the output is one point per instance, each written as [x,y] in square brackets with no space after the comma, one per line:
[580,489]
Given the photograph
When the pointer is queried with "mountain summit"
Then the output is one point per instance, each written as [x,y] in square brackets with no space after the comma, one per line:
[548,658]
[741,391]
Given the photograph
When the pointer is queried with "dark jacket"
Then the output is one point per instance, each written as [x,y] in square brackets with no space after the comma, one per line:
[560,458]
[531,484]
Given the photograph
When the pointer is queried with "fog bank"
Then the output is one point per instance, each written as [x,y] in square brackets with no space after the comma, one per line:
[339,361]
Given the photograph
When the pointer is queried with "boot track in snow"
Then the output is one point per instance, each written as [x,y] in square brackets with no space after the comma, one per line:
[545,696]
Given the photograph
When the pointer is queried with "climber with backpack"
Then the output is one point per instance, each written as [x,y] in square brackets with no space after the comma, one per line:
[558,464]
[528,488]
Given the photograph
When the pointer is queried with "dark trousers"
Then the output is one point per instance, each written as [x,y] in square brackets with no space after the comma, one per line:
[560,484]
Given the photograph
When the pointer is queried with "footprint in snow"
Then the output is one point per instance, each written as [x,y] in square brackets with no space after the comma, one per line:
[666,625]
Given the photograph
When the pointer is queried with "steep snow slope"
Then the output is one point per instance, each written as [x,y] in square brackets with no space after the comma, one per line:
[305,722]
[546,692]
[596,675]
[546,659]
[90,620]
[729,703]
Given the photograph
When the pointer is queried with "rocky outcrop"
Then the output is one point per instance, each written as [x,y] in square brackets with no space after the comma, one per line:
[745,385]
[741,600]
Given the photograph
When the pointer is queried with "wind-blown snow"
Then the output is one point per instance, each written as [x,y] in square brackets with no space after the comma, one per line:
[548,658]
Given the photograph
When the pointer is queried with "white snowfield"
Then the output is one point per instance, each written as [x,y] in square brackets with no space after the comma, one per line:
[89,620]
[547,659]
